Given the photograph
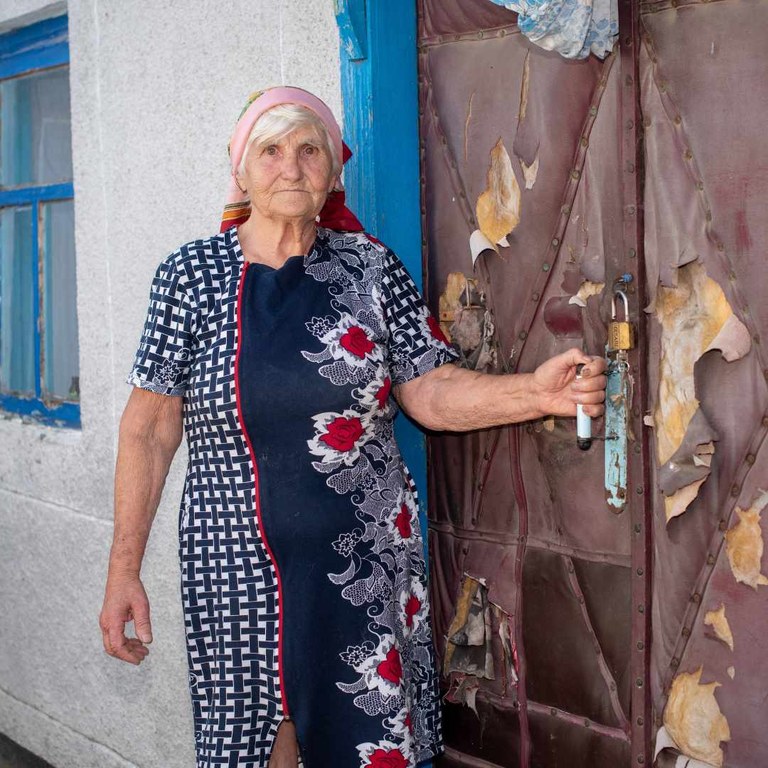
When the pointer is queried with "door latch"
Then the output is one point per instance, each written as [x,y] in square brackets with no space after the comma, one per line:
[618,397]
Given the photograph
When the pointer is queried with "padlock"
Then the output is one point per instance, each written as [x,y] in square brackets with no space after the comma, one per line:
[621,335]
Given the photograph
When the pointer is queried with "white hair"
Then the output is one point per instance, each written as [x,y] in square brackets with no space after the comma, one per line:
[278,122]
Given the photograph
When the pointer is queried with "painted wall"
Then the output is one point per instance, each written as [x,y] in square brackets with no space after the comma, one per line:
[156,88]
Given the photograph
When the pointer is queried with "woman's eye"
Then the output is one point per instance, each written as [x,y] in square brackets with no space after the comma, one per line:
[309,149]
[271,150]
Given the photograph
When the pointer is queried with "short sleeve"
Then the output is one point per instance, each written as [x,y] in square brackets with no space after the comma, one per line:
[416,344]
[165,351]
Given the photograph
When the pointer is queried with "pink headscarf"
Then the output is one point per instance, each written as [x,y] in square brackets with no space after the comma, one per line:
[335,214]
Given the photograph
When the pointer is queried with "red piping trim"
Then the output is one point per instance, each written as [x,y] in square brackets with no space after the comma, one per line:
[257,494]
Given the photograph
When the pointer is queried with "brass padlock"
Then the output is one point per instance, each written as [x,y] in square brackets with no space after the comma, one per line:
[621,335]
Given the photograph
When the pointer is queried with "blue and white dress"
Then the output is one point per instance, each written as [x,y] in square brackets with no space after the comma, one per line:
[303,574]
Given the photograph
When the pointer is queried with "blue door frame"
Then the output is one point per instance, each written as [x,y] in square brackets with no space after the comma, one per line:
[379,86]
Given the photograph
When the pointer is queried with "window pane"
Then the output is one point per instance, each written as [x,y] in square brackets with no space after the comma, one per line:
[36,137]
[17,275]
[60,347]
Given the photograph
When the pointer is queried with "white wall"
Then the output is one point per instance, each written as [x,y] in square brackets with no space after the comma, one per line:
[156,88]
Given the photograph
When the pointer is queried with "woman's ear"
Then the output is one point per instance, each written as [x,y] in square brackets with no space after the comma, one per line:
[335,184]
[240,181]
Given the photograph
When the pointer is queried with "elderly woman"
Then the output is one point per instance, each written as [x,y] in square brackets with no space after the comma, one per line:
[282,346]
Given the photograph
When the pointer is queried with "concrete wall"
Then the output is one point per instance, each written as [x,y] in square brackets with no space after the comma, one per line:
[156,88]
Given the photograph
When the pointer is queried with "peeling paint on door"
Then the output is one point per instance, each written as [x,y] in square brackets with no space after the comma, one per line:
[498,207]
[467,322]
[469,637]
[695,318]
[586,289]
[719,623]
[681,499]
[693,718]
[530,172]
[744,544]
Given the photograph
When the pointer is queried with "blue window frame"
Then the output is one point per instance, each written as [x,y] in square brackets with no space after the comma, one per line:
[39,353]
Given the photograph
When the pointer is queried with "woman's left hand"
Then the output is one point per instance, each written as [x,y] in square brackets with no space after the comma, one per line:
[559,392]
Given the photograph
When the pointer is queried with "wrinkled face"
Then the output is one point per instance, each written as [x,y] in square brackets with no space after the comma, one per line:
[289,178]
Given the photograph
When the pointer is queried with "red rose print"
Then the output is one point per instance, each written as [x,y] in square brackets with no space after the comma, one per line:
[383,393]
[403,522]
[356,341]
[387,758]
[391,668]
[412,607]
[436,330]
[342,433]
[409,722]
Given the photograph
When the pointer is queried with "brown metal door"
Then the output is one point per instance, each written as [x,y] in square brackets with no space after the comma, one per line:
[532,575]
[554,649]
[704,90]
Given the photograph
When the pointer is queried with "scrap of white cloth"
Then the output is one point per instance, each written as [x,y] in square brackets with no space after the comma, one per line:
[573,28]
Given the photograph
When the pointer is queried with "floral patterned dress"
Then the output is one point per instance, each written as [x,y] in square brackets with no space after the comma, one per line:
[303,574]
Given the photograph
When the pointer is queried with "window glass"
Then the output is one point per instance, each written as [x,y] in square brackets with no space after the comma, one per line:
[36,130]
[18,271]
[60,347]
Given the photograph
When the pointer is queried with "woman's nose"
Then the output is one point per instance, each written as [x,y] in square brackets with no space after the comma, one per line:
[291,168]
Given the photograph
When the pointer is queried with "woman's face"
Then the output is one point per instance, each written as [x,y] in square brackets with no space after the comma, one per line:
[289,178]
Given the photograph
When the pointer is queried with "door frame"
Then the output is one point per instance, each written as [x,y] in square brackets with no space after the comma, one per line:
[380,96]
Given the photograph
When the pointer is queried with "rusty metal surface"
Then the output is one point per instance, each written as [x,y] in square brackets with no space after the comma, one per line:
[651,163]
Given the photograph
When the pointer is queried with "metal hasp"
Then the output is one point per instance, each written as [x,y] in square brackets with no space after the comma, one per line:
[618,397]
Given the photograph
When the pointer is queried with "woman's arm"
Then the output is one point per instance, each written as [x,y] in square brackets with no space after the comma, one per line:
[150,433]
[458,400]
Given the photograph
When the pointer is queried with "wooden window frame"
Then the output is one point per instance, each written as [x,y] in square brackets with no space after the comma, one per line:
[35,48]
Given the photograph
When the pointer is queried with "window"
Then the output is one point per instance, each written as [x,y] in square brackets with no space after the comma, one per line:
[39,370]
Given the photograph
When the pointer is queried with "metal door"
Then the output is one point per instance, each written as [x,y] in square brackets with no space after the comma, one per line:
[704,90]
[542,597]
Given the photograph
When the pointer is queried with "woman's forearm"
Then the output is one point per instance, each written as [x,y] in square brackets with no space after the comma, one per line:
[150,433]
[455,399]
[139,479]
[459,400]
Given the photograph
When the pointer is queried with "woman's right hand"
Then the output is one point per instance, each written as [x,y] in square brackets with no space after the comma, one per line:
[125,600]
[150,433]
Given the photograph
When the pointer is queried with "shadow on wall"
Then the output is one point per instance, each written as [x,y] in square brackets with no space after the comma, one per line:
[13,756]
